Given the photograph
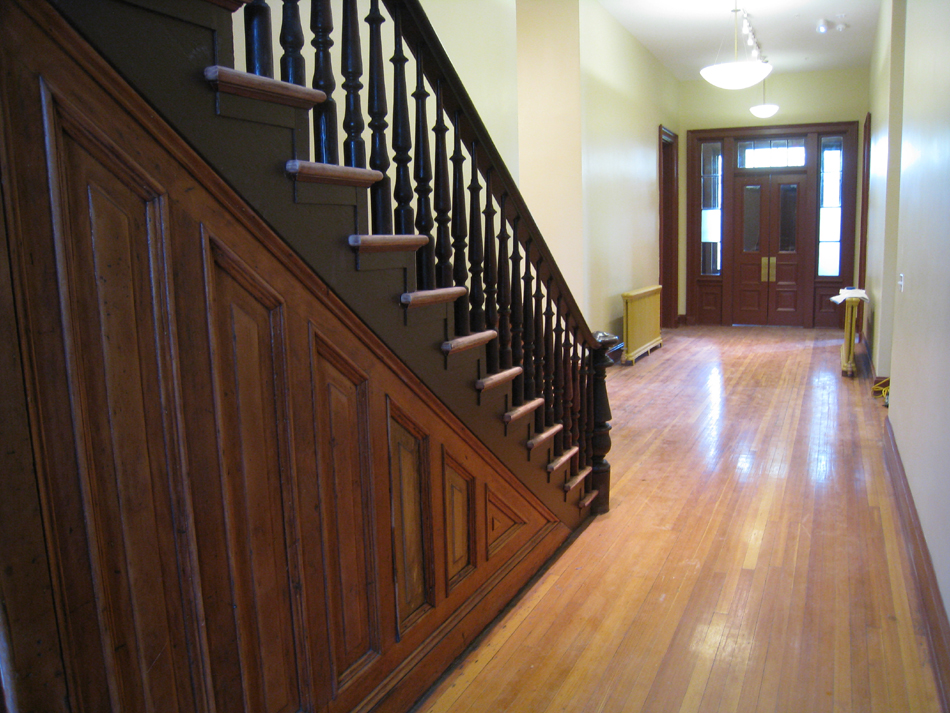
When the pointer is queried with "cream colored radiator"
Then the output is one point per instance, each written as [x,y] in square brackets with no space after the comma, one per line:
[641,322]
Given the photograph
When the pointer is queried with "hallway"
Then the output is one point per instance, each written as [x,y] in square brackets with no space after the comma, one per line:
[751,561]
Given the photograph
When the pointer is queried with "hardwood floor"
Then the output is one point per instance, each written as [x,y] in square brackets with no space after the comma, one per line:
[752,559]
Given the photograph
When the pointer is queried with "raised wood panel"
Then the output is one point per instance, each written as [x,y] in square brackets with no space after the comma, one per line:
[827,313]
[247,322]
[130,650]
[710,303]
[459,523]
[411,507]
[340,396]
[502,522]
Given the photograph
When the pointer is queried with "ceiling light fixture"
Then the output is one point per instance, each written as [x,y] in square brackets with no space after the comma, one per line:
[764,110]
[739,74]
[822,28]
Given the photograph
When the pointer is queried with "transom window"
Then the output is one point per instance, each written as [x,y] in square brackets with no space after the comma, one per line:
[771,153]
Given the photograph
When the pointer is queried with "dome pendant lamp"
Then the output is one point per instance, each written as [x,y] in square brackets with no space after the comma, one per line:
[764,110]
[737,74]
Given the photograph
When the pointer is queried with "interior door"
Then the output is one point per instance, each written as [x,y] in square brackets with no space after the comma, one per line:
[770,246]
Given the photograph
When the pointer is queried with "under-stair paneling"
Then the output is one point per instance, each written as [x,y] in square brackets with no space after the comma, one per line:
[245,494]
[252,662]
[107,458]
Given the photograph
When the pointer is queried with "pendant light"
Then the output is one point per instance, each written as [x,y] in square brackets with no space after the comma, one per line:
[738,74]
[764,110]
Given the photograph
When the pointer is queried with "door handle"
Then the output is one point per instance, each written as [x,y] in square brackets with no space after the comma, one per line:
[772,268]
[764,277]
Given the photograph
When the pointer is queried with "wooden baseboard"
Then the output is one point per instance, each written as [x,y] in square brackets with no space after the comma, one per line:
[935,615]
[681,320]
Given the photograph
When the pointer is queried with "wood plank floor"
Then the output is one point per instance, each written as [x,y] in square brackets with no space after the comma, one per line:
[751,561]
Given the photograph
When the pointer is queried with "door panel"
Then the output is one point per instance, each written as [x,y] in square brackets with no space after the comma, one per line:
[751,292]
[788,282]
[770,282]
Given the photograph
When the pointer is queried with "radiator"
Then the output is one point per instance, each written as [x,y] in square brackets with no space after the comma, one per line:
[641,322]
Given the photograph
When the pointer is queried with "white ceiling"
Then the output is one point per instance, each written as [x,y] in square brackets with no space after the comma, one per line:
[687,35]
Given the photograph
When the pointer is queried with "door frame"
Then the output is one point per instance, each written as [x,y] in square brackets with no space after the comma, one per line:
[668,182]
[709,297]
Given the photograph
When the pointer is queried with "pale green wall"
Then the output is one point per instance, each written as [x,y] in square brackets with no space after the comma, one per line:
[626,95]
[481,40]
[549,133]
[886,96]
[920,381]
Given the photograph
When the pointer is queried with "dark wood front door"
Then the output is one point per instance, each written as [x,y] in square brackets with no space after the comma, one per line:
[773,242]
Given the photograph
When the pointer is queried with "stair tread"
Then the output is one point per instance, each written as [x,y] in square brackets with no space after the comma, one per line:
[588,499]
[230,5]
[562,459]
[253,86]
[544,436]
[469,341]
[569,485]
[313,172]
[387,243]
[441,295]
[502,377]
[522,410]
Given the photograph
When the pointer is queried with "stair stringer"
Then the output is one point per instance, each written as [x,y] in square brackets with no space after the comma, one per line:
[248,143]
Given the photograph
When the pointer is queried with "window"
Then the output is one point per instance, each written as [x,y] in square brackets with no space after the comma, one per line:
[711,230]
[829,212]
[771,153]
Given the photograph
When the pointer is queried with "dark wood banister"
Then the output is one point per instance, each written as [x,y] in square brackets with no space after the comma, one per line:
[419,35]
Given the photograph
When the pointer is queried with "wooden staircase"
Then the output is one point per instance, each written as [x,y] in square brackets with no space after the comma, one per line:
[438,287]
[486,320]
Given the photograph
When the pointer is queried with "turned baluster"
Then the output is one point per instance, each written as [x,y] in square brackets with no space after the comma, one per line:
[563,391]
[505,358]
[527,334]
[573,405]
[351,61]
[517,320]
[588,406]
[257,39]
[402,139]
[552,359]
[540,351]
[381,207]
[459,231]
[476,291]
[580,409]
[292,65]
[324,114]
[422,172]
[491,277]
[442,197]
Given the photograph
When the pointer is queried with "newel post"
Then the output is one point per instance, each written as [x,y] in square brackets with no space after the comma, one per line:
[600,445]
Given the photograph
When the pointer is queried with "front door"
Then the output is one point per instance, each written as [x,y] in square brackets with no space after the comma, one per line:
[772,275]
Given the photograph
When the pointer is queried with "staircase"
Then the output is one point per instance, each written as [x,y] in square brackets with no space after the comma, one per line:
[453,275]
[455,422]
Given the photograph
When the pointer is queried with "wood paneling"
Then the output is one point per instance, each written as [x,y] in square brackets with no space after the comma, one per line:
[412,547]
[104,423]
[248,342]
[346,508]
[459,524]
[241,489]
[501,522]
